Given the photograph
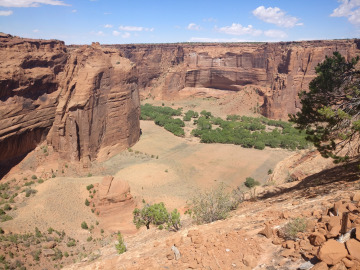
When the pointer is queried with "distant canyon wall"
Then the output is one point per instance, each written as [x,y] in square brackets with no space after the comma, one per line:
[276,71]
[79,100]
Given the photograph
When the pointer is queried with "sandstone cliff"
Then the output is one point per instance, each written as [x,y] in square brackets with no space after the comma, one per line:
[275,71]
[28,92]
[88,97]
[98,104]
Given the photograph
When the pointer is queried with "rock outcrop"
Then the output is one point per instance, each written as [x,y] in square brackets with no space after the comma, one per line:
[87,97]
[29,83]
[98,105]
[277,72]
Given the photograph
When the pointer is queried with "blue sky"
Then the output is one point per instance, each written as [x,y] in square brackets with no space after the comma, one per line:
[160,21]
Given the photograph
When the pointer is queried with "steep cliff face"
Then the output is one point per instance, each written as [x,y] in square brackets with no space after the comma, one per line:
[276,71]
[88,97]
[28,92]
[98,104]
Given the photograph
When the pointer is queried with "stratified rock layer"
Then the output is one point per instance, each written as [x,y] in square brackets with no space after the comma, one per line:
[98,104]
[28,92]
[88,97]
[277,72]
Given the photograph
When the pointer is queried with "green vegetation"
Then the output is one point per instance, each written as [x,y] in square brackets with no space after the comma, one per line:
[40,181]
[34,177]
[30,191]
[190,114]
[84,225]
[211,205]
[163,116]
[293,227]
[330,110]
[249,132]
[157,215]
[87,203]
[251,182]
[120,246]
[89,187]
[29,183]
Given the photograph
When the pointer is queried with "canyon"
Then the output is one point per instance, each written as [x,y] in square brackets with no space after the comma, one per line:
[85,98]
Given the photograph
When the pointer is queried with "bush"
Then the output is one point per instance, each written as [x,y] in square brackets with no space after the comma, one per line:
[89,187]
[7,207]
[120,246]
[34,177]
[174,221]
[6,218]
[251,182]
[40,181]
[293,227]
[84,225]
[155,214]
[87,203]
[29,183]
[30,191]
[210,205]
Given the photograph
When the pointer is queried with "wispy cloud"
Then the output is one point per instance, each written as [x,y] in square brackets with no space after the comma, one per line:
[98,33]
[275,16]
[31,3]
[135,28]
[209,20]
[349,9]
[238,30]
[36,30]
[6,12]
[74,11]
[116,33]
[193,26]
[108,26]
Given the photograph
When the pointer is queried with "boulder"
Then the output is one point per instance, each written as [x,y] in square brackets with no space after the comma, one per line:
[353,246]
[317,239]
[332,252]
[356,196]
[113,190]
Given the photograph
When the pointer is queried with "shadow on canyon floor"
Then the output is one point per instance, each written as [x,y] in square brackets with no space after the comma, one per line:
[322,182]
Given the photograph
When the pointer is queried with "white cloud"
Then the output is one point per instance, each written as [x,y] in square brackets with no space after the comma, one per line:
[210,20]
[6,12]
[135,28]
[74,11]
[202,39]
[116,33]
[31,3]
[125,35]
[275,34]
[193,26]
[108,26]
[131,28]
[98,33]
[349,9]
[36,30]
[238,29]
[275,16]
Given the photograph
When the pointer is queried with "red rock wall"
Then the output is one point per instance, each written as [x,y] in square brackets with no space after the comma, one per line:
[88,97]
[98,106]
[278,71]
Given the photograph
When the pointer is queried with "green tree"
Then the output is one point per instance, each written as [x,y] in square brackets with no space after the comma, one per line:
[155,214]
[330,110]
[251,182]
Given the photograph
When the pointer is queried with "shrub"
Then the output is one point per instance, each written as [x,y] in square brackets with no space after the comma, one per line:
[84,225]
[2,212]
[87,203]
[293,227]
[120,246]
[30,191]
[270,171]
[89,239]
[29,183]
[50,230]
[71,243]
[34,177]
[155,214]
[40,181]
[6,218]
[173,222]
[210,205]
[7,207]
[251,182]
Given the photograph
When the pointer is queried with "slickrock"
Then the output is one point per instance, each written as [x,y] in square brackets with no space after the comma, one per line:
[353,246]
[332,252]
